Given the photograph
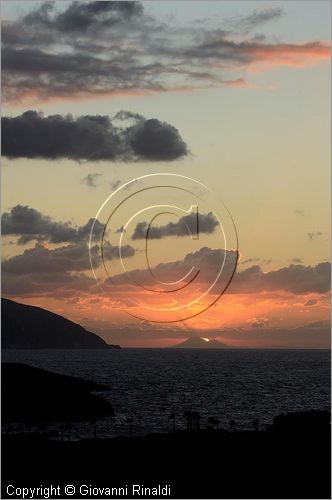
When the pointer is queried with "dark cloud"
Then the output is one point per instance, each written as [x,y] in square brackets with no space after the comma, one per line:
[112,252]
[155,140]
[90,16]
[314,235]
[297,260]
[317,324]
[55,284]
[303,336]
[41,259]
[250,261]
[61,270]
[311,302]
[115,184]
[188,224]
[31,135]
[261,16]
[91,180]
[297,279]
[259,322]
[106,48]
[206,261]
[30,224]
[247,23]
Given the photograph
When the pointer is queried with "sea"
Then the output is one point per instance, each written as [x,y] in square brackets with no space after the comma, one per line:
[147,385]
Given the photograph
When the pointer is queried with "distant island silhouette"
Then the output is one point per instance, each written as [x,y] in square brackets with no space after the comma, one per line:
[200,343]
[29,327]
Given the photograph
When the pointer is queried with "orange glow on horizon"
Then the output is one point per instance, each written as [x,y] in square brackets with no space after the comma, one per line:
[261,312]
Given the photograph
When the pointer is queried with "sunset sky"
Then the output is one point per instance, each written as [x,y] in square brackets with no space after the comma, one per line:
[235,95]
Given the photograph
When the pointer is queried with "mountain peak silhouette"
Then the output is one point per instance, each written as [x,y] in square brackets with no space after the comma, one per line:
[200,343]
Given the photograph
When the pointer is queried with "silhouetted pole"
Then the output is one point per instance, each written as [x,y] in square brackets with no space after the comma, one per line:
[62,427]
[232,425]
[130,422]
[188,416]
[255,424]
[195,420]
[93,423]
[172,417]
[69,430]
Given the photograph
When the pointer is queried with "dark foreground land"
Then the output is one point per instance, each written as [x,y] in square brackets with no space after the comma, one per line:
[205,464]
[289,460]
[29,327]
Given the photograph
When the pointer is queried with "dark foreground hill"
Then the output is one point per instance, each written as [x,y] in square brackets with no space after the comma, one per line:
[35,396]
[29,327]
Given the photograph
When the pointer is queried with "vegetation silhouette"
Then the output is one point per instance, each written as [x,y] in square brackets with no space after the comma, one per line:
[213,423]
[192,418]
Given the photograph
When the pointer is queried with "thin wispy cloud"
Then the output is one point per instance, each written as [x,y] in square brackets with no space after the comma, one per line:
[311,302]
[313,235]
[115,184]
[91,180]
[258,322]
[251,260]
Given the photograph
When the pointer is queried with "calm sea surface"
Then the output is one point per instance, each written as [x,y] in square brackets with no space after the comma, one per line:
[148,384]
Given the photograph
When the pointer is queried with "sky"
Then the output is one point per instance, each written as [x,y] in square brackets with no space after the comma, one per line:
[233,95]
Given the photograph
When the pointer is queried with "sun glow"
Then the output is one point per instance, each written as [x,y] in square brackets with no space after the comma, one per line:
[206,340]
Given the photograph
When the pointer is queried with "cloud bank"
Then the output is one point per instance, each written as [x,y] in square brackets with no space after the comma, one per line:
[296,279]
[23,272]
[75,257]
[109,48]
